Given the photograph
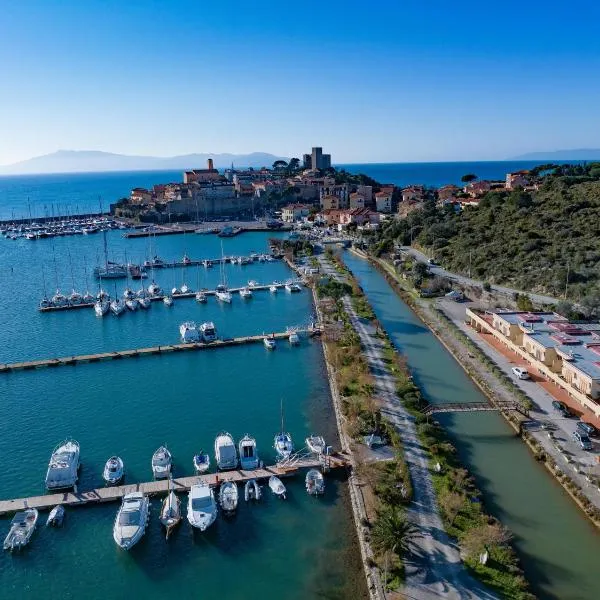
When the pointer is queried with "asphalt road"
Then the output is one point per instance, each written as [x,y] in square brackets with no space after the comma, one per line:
[467,281]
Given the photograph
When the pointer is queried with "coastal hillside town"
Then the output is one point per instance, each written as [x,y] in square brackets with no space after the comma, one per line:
[311,190]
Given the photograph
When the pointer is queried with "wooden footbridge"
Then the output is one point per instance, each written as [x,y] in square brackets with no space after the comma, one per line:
[180,484]
[469,407]
[138,352]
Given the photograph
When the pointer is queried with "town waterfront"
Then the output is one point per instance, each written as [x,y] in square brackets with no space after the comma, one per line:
[295,549]
[557,544]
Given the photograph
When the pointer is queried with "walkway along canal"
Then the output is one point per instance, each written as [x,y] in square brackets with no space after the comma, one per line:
[557,545]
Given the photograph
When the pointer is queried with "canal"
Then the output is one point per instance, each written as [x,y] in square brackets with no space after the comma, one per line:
[558,547]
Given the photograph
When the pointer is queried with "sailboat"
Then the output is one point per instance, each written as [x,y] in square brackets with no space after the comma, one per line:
[102,304]
[44,302]
[117,306]
[200,295]
[283,444]
[170,512]
[75,297]
[222,293]
[110,270]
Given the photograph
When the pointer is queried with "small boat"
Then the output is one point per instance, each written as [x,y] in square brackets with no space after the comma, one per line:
[59,299]
[273,289]
[253,283]
[225,453]
[186,260]
[200,297]
[101,307]
[246,292]
[131,521]
[144,302]
[175,291]
[56,516]
[132,304]
[45,303]
[248,455]
[269,343]
[229,496]
[162,461]
[283,441]
[168,300]
[294,338]
[252,490]
[185,289]
[292,287]
[75,298]
[21,529]
[128,294]
[277,486]
[113,470]
[201,462]
[88,298]
[64,466]
[154,289]
[117,307]
[316,444]
[223,295]
[170,511]
[209,331]
[315,483]
[202,509]
[190,334]
[207,263]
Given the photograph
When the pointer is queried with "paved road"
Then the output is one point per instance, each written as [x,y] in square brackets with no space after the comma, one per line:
[563,427]
[433,569]
[467,281]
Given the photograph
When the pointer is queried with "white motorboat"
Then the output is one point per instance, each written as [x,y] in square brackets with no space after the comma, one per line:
[283,445]
[75,298]
[246,292]
[223,296]
[131,521]
[117,307]
[22,527]
[252,490]
[143,300]
[253,283]
[202,509]
[273,289]
[45,303]
[175,291]
[154,289]
[277,487]
[207,263]
[113,470]
[101,307]
[64,466]
[186,260]
[294,338]
[209,331]
[201,462]
[168,300]
[248,454]
[162,461]
[229,496]
[185,289]
[88,298]
[200,297]
[128,294]
[315,483]
[170,511]
[292,287]
[56,516]
[316,444]
[225,453]
[103,295]
[190,334]
[269,343]
[132,304]
[59,299]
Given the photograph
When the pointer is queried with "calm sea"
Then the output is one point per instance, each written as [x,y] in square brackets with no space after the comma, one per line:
[60,194]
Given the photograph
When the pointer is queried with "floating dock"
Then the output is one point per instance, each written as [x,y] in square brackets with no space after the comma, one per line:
[159,297]
[180,484]
[179,229]
[137,352]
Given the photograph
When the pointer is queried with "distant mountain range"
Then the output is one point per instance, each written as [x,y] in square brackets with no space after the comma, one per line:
[577,154]
[79,161]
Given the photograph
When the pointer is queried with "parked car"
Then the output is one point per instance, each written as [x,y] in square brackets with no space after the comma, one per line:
[583,440]
[521,373]
[432,262]
[562,408]
[586,428]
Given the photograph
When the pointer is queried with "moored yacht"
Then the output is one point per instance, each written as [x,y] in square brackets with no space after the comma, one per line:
[64,466]
[273,289]
[154,289]
[168,300]
[209,331]
[277,487]
[132,304]
[202,509]
[131,521]
[22,527]
[200,297]
[101,307]
[185,289]
[223,294]
[75,298]
[316,444]
[294,338]
[201,462]
[225,453]
[246,292]
[113,470]
[117,306]
[269,343]
[315,483]
[189,332]
[248,454]
[229,496]
[162,461]
[59,299]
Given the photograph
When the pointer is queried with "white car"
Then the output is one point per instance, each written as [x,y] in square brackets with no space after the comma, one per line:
[520,372]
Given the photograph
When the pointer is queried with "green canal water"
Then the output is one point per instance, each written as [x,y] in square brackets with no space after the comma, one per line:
[301,548]
[559,548]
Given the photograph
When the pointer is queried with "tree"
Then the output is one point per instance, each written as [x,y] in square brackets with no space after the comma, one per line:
[480,538]
[523,302]
[468,178]
[293,165]
[279,165]
[451,503]
[392,532]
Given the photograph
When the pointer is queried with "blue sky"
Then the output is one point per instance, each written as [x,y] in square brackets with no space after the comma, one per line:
[370,82]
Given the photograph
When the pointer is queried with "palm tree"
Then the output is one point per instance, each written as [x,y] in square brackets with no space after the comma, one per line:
[392,531]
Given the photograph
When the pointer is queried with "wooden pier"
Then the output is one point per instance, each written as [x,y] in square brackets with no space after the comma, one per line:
[180,484]
[137,352]
[208,228]
[159,297]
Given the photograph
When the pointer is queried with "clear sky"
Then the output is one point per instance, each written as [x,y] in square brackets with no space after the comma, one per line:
[380,81]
